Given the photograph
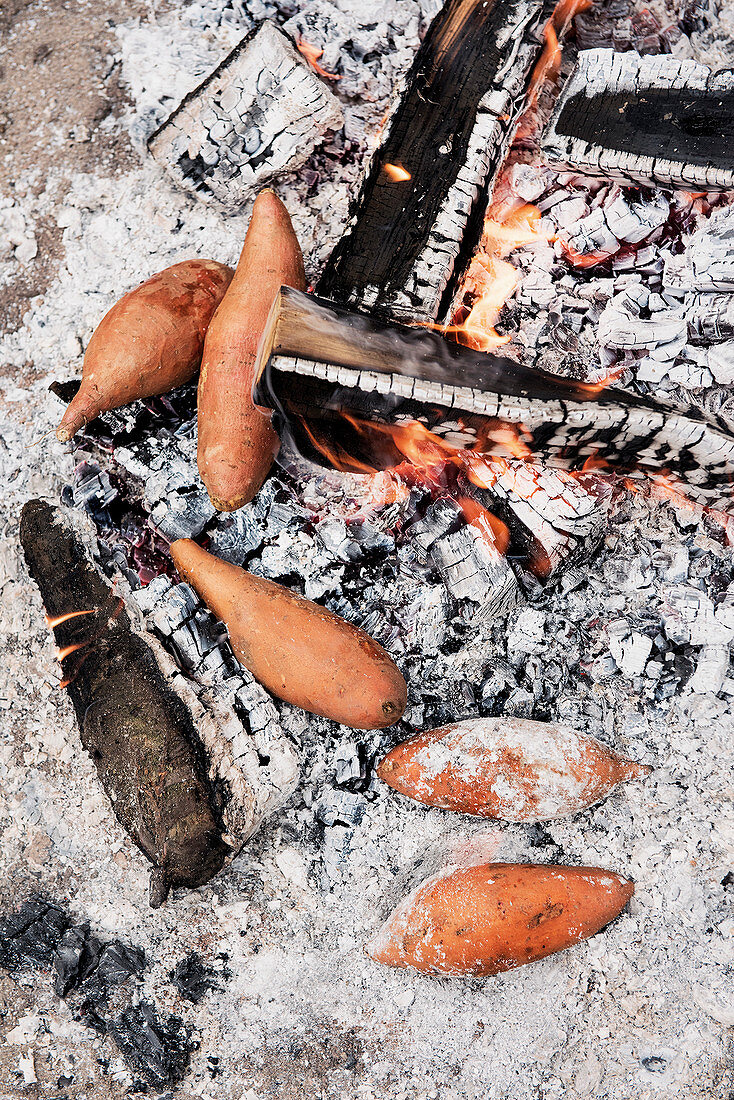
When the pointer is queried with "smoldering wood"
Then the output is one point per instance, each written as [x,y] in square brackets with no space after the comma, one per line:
[137,730]
[409,241]
[554,517]
[261,112]
[644,119]
[318,360]
[472,567]
[710,319]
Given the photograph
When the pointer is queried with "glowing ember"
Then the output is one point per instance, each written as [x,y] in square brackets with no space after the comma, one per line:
[395,173]
[65,618]
[312,55]
[66,651]
[583,259]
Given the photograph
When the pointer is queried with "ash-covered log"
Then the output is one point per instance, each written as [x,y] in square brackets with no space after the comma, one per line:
[710,318]
[261,111]
[137,729]
[653,120]
[318,361]
[418,218]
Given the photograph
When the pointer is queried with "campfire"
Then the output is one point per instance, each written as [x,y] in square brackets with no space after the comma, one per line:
[519,348]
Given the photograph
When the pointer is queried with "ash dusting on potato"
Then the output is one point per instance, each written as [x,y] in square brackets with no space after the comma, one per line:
[641,1010]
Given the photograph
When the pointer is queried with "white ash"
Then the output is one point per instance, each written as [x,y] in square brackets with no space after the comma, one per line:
[260,113]
[642,1009]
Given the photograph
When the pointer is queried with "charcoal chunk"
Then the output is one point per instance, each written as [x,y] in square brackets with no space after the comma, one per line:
[193,978]
[30,937]
[157,1049]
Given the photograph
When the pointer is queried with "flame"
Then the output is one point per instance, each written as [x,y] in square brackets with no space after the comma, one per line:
[51,623]
[62,653]
[489,526]
[396,173]
[312,55]
[491,280]
[548,64]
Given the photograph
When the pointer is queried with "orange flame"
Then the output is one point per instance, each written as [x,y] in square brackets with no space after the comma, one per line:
[396,173]
[490,280]
[489,526]
[67,650]
[65,618]
[312,55]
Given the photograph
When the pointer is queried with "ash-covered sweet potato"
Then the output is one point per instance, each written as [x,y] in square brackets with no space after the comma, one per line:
[511,769]
[299,651]
[150,341]
[490,918]
[237,443]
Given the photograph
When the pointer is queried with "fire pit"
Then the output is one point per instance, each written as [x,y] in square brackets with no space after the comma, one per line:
[544,538]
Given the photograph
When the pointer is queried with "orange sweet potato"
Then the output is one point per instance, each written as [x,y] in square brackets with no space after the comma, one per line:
[486,919]
[298,650]
[150,341]
[507,768]
[236,441]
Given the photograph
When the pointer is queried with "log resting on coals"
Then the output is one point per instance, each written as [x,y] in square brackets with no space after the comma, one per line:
[650,120]
[318,360]
[419,215]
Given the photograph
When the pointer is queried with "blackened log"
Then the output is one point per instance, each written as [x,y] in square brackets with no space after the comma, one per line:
[651,120]
[318,361]
[137,730]
[419,215]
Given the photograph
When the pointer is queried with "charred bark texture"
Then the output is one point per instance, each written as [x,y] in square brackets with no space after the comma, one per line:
[137,730]
[653,120]
[410,239]
[318,361]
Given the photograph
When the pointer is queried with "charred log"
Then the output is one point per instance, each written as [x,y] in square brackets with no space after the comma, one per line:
[318,361]
[261,111]
[418,218]
[652,120]
[138,731]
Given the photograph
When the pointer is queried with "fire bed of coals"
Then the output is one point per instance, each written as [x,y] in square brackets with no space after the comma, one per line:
[613,608]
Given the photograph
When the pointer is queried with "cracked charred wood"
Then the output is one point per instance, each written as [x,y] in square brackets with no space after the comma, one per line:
[317,361]
[418,218]
[137,729]
[652,120]
[260,112]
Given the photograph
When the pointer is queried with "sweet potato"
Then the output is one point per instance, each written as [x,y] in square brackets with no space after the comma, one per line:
[150,341]
[237,443]
[490,918]
[507,768]
[299,651]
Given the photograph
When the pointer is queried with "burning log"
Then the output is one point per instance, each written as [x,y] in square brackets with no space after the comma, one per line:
[651,120]
[554,516]
[319,361]
[261,111]
[154,750]
[418,218]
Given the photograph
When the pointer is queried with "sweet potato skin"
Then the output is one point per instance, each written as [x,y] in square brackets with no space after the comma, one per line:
[299,651]
[149,342]
[487,919]
[237,443]
[510,769]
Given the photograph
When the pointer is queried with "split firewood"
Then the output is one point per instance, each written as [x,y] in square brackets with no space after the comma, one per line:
[236,441]
[652,120]
[418,218]
[150,341]
[487,919]
[507,768]
[318,361]
[299,651]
